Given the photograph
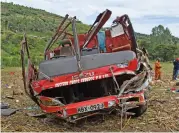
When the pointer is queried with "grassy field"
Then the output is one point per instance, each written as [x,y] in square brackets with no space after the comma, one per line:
[162,113]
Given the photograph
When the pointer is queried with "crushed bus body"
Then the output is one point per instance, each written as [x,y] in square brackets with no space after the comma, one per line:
[89,74]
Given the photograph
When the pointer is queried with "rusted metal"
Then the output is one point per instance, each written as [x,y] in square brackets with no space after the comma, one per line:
[23,47]
[61,31]
[56,33]
[25,75]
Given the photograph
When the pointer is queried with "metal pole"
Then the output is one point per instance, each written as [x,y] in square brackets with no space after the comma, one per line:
[54,36]
[60,33]
[76,44]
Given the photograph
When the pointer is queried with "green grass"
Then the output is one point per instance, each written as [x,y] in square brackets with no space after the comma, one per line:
[167,67]
[11,69]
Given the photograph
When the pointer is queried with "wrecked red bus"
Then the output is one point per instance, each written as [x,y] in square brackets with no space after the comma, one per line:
[85,76]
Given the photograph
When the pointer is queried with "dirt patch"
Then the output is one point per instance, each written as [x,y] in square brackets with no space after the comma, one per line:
[162,113]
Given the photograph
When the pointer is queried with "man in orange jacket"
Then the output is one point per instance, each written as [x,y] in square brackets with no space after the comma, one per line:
[157,70]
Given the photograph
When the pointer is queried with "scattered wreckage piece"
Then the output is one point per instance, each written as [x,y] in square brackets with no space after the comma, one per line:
[4,105]
[78,79]
[40,115]
[6,111]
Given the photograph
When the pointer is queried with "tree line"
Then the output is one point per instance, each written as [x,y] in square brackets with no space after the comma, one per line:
[160,44]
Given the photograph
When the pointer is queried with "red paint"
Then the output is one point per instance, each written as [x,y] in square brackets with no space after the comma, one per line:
[82,38]
[71,109]
[45,84]
[12,73]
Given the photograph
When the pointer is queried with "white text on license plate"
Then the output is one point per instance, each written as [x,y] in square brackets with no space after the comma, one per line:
[90,108]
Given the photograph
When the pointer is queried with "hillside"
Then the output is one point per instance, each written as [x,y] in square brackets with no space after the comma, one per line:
[39,26]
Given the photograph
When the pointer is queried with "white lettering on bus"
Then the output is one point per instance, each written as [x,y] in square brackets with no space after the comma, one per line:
[81,80]
[61,84]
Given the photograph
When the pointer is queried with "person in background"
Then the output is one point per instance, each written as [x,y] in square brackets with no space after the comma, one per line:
[158,70]
[175,68]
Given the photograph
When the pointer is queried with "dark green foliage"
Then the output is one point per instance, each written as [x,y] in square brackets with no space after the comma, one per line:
[160,44]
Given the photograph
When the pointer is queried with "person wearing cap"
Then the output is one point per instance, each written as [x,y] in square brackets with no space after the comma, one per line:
[175,68]
[158,69]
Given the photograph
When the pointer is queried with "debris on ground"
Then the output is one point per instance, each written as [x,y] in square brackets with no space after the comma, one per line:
[11,73]
[41,115]
[8,112]
[177,98]
[5,110]
[4,105]
[10,97]
[8,86]
[177,83]
[32,108]
[174,90]
[17,92]
[17,101]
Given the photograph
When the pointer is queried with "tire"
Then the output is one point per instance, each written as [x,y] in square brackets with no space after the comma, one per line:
[142,108]
[139,110]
